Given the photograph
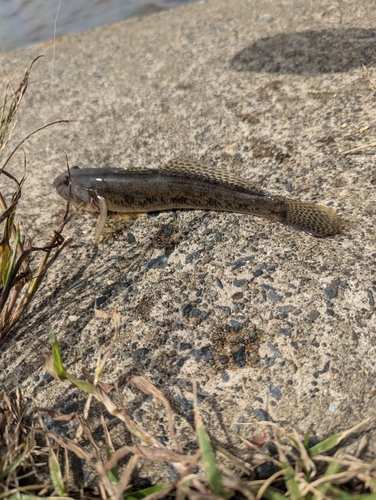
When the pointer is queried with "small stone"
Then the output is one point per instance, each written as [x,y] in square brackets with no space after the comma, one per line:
[186,309]
[236,325]
[140,354]
[219,283]
[48,378]
[262,415]
[202,354]
[224,309]
[273,296]
[201,277]
[73,318]
[285,309]
[225,377]
[131,238]
[200,398]
[239,263]
[157,263]
[239,283]
[313,315]
[137,415]
[276,392]
[194,313]
[330,312]
[100,300]
[265,470]
[185,404]
[331,290]
[332,408]
[240,356]
[286,330]
[193,256]
[213,293]
[224,359]
[180,361]
[174,474]
[172,353]
[184,346]
[238,296]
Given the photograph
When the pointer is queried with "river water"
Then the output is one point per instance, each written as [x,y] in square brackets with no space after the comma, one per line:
[25,22]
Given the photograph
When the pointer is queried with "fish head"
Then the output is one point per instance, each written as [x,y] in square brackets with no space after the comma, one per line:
[68,186]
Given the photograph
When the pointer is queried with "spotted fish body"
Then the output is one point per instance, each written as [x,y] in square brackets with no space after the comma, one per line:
[187,184]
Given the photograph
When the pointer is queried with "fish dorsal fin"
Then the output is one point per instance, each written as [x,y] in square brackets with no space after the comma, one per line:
[192,166]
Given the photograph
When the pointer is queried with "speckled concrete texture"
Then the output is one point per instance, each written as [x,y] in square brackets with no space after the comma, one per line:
[270,323]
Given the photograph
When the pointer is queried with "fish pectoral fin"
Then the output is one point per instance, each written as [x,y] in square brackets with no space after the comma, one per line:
[130,215]
[101,219]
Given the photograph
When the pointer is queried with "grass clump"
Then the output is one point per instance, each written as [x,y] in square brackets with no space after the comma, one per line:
[22,265]
[301,471]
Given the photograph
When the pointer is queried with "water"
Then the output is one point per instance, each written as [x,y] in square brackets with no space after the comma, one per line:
[25,22]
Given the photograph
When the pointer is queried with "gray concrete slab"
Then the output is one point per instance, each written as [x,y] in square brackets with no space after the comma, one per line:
[260,316]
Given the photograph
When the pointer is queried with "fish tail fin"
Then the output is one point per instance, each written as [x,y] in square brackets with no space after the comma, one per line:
[316,220]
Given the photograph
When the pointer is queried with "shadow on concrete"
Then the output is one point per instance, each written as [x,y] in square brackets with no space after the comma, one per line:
[309,52]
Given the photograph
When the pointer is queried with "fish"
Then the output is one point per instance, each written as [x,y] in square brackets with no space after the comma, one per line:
[187,183]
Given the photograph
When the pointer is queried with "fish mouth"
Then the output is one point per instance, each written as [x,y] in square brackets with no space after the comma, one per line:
[67,188]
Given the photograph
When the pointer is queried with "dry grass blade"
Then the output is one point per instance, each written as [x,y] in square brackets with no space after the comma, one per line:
[115,316]
[308,464]
[233,482]
[19,281]
[360,148]
[366,72]
[162,493]
[237,462]
[68,443]
[147,388]
[126,477]
[18,453]
[155,454]
[10,105]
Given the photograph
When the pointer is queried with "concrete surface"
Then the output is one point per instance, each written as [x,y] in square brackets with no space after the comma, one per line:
[265,319]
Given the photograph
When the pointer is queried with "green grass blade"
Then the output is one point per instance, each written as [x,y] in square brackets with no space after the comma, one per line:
[291,483]
[332,468]
[325,445]
[113,474]
[271,494]
[56,357]
[306,439]
[8,272]
[139,495]
[4,261]
[210,464]
[55,474]
[334,440]
[368,496]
